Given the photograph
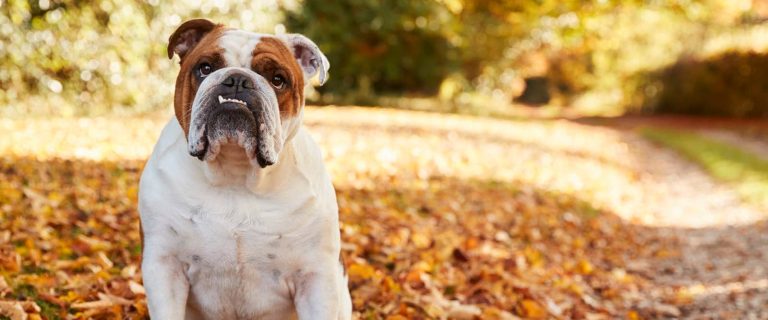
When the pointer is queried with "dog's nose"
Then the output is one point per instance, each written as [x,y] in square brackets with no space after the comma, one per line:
[238,82]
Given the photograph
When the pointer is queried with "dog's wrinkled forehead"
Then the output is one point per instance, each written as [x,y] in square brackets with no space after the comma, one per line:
[238,47]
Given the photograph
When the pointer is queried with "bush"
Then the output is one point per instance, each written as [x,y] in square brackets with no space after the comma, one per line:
[377,47]
[731,84]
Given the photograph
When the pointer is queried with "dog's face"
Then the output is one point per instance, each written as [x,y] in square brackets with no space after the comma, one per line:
[239,87]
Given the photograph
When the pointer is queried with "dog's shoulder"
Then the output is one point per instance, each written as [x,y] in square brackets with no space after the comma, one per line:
[310,162]
[168,173]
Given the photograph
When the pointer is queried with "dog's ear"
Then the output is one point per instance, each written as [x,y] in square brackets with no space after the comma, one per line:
[311,59]
[187,36]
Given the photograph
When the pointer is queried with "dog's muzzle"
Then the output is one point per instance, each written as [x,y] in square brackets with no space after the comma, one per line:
[235,106]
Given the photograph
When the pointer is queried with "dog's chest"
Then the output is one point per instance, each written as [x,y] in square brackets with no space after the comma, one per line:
[237,271]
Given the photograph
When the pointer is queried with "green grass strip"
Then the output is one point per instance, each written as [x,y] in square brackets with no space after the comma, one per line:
[747,172]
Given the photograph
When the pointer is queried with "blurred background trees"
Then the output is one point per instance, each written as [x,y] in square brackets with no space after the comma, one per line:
[604,57]
[92,57]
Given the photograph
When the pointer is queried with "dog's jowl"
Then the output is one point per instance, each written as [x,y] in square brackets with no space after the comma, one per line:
[238,213]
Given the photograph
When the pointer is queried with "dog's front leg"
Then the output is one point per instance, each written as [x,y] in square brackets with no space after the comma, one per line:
[166,285]
[316,297]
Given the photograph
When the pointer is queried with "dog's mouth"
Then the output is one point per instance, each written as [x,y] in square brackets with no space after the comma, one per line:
[231,121]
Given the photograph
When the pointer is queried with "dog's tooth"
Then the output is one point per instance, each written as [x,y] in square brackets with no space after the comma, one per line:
[233,100]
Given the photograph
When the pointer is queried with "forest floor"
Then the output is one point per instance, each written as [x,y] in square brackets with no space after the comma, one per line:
[443,216]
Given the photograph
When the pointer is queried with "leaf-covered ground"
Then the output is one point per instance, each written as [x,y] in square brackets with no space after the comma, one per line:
[442,217]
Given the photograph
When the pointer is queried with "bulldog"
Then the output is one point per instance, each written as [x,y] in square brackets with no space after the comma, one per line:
[238,214]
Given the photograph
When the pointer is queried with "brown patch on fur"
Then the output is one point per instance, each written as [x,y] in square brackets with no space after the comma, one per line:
[270,57]
[187,35]
[186,82]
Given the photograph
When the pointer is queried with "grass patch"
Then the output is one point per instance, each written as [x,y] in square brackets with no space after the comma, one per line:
[747,172]
[49,310]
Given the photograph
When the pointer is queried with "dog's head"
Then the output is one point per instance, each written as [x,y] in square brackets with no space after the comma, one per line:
[243,88]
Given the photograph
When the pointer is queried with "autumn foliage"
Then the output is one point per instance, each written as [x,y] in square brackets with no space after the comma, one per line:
[427,231]
[443,217]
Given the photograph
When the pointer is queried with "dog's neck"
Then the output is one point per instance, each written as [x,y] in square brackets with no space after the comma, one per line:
[230,167]
[233,168]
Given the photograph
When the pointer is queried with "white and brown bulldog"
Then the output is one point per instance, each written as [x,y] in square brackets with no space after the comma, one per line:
[238,213]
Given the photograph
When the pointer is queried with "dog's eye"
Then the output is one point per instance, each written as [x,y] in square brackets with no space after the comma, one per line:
[205,69]
[278,81]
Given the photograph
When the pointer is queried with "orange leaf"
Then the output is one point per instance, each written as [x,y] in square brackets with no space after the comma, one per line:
[533,309]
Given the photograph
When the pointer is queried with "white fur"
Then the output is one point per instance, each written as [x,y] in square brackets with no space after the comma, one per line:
[238,46]
[262,244]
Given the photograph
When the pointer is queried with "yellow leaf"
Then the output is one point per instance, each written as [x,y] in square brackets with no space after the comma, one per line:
[360,271]
[10,194]
[132,192]
[422,266]
[585,267]
[533,309]
[70,296]
[391,285]
[664,253]
[421,241]
[55,197]
[533,256]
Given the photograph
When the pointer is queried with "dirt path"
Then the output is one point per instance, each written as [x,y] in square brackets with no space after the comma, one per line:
[679,194]
[719,269]
[723,271]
